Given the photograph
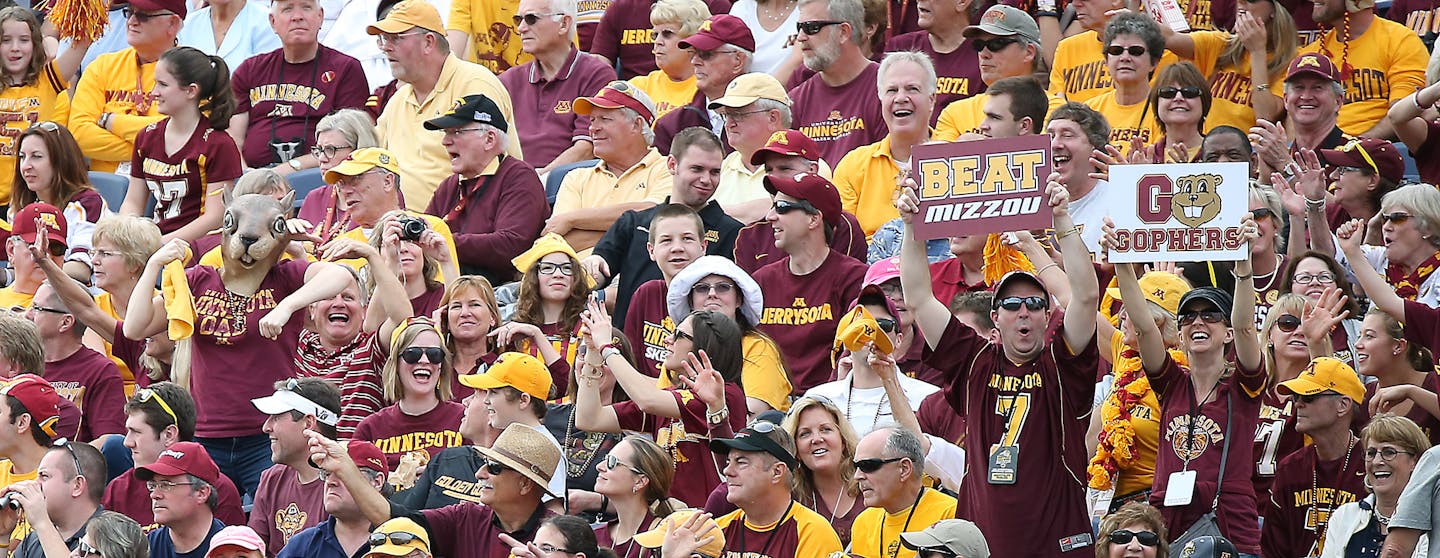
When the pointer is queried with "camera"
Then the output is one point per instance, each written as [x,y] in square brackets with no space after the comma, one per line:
[9,501]
[411,227]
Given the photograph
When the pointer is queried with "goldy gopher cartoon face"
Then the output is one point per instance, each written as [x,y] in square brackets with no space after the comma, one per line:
[1196,200]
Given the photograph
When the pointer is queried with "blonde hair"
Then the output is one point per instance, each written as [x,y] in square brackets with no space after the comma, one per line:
[135,238]
[390,375]
[804,477]
[1392,429]
[1289,303]
[687,14]
[1280,42]
[260,181]
[1130,514]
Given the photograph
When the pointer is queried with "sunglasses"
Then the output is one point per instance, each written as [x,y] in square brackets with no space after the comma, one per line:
[45,125]
[873,464]
[530,19]
[785,206]
[144,395]
[612,463]
[1208,316]
[993,45]
[678,335]
[411,355]
[398,537]
[493,467]
[886,324]
[1033,303]
[1123,536]
[1288,323]
[1261,213]
[1396,217]
[143,17]
[704,289]
[815,26]
[70,449]
[84,549]
[1308,399]
[1117,50]
[1189,91]
[708,54]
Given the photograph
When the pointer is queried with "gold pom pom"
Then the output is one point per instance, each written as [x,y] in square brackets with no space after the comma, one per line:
[1001,258]
[81,20]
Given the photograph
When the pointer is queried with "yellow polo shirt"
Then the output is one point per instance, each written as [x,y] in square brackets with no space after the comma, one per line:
[739,184]
[598,186]
[866,180]
[423,160]
[1127,121]
[1387,63]
[865,534]
[965,115]
[667,93]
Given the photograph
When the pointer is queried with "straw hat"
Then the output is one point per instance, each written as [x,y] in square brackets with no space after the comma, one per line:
[525,450]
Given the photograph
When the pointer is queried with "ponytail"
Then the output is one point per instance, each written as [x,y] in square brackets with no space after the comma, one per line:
[212,75]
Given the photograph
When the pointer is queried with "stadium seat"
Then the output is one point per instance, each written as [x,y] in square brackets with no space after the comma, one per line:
[303,182]
[112,187]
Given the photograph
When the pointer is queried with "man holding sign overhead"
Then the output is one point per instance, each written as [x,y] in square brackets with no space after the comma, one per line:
[1021,395]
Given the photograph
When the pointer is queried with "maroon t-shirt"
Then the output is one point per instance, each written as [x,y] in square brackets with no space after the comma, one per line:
[544,121]
[180,181]
[231,363]
[647,324]
[92,382]
[625,33]
[755,244]
[1427,155]
[802,311]
[1305,496]
[468,530]
[1418,414]
[1421,16]
[285,101]
[1275,438]
[425,303]
[396,433]
[285,506]
[947,279]
[686,439]
[937,418]
[1422,325]
[128,496]
[958,71]
[130,351]
[1037,407]
[1239,520]
[840,119]
[629,548]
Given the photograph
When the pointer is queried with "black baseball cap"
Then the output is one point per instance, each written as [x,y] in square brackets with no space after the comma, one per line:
[1221,300]
[471,108]
[755,438]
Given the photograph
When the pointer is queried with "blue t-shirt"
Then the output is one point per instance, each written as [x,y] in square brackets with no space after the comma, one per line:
[162,547]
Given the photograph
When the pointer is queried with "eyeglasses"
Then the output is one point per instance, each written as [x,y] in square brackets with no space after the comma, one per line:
[815,26]
[738,116]
[391,38]
[493,467]
[531,19]
[666,34]
[547,268]
[39,308]
[993,45]
[873,464]
[46,125]
[612,463]
[708,54]
[399,537]
[1324,278]
[1287,323]
[886,324]
[704,289]
[101,254]
[165,486]
[144,395]
[1117,50]
[328,151]
[143,17]
[1386,454]
[1189,91]
[452,132]
[1208,316]
[1261,213]
[84,549]
[411,355]
[891,288]
[782,207]
[70,449]
[547,548]
[1033,303]
[1396,217]
[1123,536]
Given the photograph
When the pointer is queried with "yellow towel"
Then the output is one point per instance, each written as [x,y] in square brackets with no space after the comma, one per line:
[179,302]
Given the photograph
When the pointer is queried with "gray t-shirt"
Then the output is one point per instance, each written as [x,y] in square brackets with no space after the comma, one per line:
[1419,503]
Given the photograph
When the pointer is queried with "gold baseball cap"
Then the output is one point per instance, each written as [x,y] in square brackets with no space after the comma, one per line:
[362,160]
[1326,374]
[518,370]
[749,88]
[655,538]
[407,15]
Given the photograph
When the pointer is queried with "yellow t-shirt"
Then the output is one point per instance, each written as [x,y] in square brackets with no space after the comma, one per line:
[22,106]
[965,115]
[598,186]
[107,305]
[424,163]
[1386,63]
[1144,419]
[1079,72]
[494,42]
[1230,87]
[866,538]
[1127,121]
[667,93]
[866,180]
[11,298]
[8,476]
[111,84]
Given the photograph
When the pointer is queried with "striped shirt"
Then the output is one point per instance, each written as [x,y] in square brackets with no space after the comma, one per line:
[354,368]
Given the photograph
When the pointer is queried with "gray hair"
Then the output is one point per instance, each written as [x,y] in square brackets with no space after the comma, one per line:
[354,124]
[646,129]
[904,443]
[502,137]
[562,8]
[848,11]
[1138,25]
[787,117]
[917,58]
[1423,201]
[746,54]
[117,536]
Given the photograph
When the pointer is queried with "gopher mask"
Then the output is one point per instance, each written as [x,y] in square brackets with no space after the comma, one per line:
[253,232]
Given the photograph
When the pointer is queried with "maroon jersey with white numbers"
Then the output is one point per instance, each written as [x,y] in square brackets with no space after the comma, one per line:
[179,181]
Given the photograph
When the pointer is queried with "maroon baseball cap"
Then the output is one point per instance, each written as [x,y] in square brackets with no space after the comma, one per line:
[182,458]
[39,399]
[176,7]
[811,188]
[366,455]
[618,94]
[787,143]
[1313,63]
[719,30]
[51,218]
[1375,154]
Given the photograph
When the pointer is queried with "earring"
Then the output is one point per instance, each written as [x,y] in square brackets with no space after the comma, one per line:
[634,490]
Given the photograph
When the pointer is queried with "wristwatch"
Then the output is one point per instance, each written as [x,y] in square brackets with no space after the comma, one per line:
[607,352]
[718,418]
[295,164]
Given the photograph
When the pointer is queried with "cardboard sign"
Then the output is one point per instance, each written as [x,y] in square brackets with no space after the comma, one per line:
[982,187]
[1179,213]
